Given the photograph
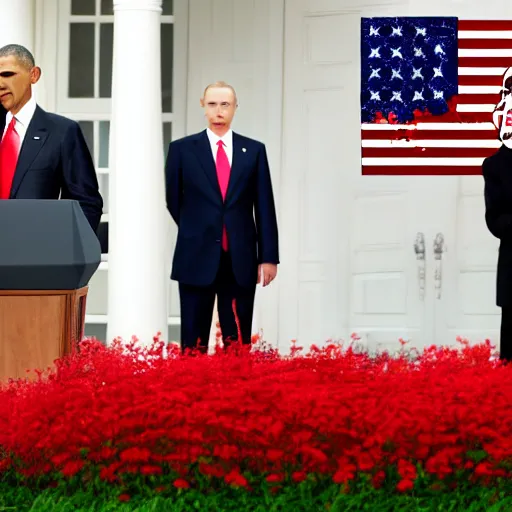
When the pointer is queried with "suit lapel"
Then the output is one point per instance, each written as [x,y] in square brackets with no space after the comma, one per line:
[237,164]
[35,137]
[205,157]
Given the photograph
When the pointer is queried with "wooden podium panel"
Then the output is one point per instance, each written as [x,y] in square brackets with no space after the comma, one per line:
[37,327]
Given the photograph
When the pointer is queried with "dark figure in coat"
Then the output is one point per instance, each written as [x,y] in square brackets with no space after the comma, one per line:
[497,173]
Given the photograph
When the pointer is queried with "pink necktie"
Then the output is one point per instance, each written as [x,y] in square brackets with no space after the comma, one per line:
[223,171]
[9,149]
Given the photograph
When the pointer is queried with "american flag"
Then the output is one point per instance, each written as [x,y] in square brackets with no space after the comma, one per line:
[452,67]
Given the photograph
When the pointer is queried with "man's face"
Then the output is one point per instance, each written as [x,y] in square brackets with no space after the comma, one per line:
[16,83]
[219,105]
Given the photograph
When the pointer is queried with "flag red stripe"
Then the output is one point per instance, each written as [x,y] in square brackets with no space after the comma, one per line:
[484,62]
[429,134]
[495,80]
[484,24]
[484,44]
[421,170]
[391,152]
[478,98]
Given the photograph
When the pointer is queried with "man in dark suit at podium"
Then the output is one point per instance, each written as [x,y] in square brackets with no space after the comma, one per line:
[219,193]
[42,155]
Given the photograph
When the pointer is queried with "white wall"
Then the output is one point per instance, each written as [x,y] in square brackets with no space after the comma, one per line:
[348,239]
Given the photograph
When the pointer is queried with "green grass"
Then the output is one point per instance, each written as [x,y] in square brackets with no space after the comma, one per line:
[299,498]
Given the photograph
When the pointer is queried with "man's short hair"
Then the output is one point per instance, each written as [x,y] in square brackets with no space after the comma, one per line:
[23,56]
[221,84]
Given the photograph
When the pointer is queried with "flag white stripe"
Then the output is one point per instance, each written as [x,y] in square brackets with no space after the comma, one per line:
[485,52]
[485,34]
[459,143]
[434,162]
[479,89]
[481,107]
[465,71]
[429,126]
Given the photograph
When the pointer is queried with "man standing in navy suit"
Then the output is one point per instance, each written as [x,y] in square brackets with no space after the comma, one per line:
[219,193]
[42,155]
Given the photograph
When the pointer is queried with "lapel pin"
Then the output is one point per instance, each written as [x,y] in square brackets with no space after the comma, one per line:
[244,150]
[37,138]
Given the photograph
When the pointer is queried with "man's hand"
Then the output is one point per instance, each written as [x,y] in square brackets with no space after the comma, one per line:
[266,273]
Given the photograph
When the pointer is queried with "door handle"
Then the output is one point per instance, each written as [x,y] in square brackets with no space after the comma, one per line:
[419,249]
[439,248]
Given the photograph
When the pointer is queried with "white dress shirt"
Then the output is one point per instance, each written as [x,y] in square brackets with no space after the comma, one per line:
[23,118]
[227,139]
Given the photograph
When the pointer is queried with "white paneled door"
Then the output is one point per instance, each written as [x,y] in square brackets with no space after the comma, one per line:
[386,257]
[465,299]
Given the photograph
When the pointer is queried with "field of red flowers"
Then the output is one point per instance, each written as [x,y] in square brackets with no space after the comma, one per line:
[321,428]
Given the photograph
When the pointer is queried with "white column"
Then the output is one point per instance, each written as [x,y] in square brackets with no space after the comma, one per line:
[137,277]
[17,23]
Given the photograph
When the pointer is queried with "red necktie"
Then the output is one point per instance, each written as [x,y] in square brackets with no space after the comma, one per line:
[9,150]
[223,171]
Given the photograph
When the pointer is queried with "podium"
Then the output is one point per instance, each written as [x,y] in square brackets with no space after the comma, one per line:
[48,254]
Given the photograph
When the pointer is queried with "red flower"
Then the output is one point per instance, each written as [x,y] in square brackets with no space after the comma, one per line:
[483,469]
[109,473]
[378,479]
[135,454]
[60,458]
[406,470]
[180,483]
[274,478]
[72,467]
[333,412]
[299,476]
[235,479]
[274,455]
[314,453]
[342,476]
[215,470]
[405,485]
[365,462]
[151,470]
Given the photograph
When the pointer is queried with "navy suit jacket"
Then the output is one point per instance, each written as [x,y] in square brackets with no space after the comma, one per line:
[54,161]
[195,202]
